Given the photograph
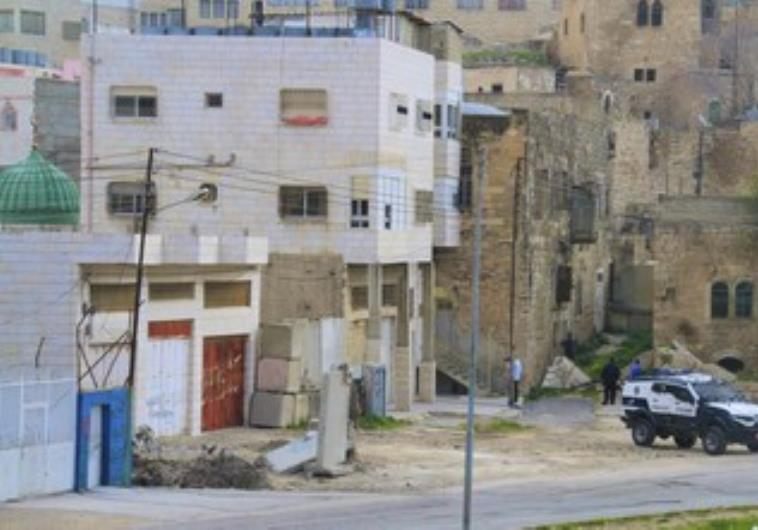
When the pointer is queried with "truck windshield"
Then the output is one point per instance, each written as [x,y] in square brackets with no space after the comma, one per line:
[714,391]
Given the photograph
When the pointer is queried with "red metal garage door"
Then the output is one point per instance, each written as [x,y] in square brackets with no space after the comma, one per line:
[223,382]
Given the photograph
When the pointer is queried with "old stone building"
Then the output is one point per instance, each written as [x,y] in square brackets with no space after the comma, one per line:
[695,269]
[484,22]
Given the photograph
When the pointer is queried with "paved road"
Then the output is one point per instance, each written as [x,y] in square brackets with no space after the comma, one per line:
[723,481]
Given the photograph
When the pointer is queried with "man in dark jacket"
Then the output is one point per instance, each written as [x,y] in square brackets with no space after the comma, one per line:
[610,376]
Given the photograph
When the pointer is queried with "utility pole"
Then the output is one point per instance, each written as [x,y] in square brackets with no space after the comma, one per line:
[482,163]
[146,210]
[736,65]
[92,60]
[520,167]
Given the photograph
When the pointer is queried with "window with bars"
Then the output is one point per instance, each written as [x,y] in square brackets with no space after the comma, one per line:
[389,295]
[438,121]
[719,300]
[134,102]
[7,22]
[32,22]
[232,9]
[359,213]
[205,8]
[511,5]
[219,8]
[743,299]
[174,17]
[453,121]
[128,198]
[470,4]
[300,202]
[417,4]
[359,297]
[583,213]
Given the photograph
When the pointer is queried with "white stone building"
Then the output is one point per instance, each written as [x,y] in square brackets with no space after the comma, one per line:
[66,304]
[324,145]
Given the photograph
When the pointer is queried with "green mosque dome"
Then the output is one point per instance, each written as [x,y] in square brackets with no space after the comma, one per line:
[35,191]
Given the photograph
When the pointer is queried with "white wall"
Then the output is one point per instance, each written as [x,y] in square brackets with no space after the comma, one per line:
[19,92]
[359,75]
[41,290]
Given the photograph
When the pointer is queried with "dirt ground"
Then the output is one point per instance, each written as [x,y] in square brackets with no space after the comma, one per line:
[428,454]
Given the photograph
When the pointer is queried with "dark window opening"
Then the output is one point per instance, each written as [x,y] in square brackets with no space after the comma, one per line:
[639,75]
[497,88]
[214,100]
[650,75]
[743,296]
[656,16]
[719,300]
[642,13]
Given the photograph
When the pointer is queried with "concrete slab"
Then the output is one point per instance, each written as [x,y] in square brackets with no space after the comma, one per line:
[272,410]
[278,375]
[282,341]
[335,403]
[294,455]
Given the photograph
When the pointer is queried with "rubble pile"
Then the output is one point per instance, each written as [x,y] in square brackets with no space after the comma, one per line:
[564,374]
[677,356]
[216,468]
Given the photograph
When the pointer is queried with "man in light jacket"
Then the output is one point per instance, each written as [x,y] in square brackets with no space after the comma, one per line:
[517,372]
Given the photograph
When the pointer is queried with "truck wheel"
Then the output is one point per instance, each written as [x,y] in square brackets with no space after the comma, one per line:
[685,441]
[714,441]
[643,433]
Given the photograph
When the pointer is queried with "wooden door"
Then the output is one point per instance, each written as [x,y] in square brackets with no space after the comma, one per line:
[223,382]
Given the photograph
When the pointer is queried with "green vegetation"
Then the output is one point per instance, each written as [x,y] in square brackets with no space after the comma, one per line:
[592,364]
[299,426]
[742,518]
[537,393]
[381,423]
[497,426]
[519,57]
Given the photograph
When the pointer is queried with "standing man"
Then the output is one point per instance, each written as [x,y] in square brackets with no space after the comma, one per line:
[635,370]
[517,371]
[610,376]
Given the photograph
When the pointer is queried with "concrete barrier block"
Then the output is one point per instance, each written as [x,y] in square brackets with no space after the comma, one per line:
[282,341]
[273,410]
[278,375]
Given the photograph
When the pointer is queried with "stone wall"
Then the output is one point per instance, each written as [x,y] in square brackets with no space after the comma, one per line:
[690,257]
[303,286]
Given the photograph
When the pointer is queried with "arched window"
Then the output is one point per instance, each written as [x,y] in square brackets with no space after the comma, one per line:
[709,9]
[743,300]
[642,13]
[656,18]
[719,300]
[8,118]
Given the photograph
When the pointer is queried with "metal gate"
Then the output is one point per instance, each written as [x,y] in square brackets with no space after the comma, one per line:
[223,382]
